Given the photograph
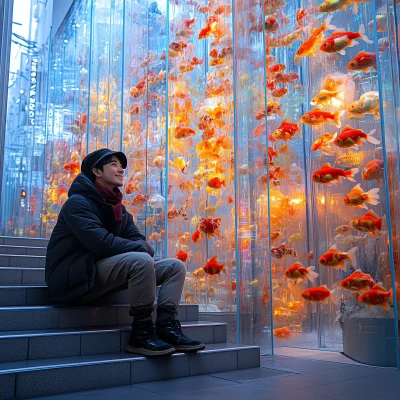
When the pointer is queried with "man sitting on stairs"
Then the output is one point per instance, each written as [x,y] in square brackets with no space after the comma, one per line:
[96,248]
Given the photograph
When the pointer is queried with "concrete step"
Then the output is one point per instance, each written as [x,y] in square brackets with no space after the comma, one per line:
[23,250]
[23,241]
[60,317]
[22,261]
[35,378]
[55,343]
[21,276]
[35,295]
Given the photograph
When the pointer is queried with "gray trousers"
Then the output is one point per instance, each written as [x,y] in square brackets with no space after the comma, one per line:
[140,274]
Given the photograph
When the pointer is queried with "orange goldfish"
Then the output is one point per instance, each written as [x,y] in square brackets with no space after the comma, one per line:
[333,5]
[276,68]
[377,296]
[353,138]
[72,167]
[317,294]
[181,255]
[282,250]
[180,164]
[182,132]
[213,268]
[259,129]
[282,333]
[357,197]
[373,170]
[336,259]
[210,226]
[370,222]
[196,61]
[198,273]
[317,117]
[216,183]
[205,32]
[357,282]
[323,142]
[286,78]
[342,39]
[301,13]
[285,39]
[274,108]
[331,176]
[279,92]
[327,97]
[131,187]
[186,185]
[177,46]
[196,236]
[159,162]
[309,47]
[139,200]
[286,131]
[229,200]
[363,61]
[297,271]
[271,24]
[224,9]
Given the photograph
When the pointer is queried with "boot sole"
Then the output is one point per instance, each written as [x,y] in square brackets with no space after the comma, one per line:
[189,349]
[149,353]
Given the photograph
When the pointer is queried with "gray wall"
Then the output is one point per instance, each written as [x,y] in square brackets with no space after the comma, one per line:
[60,9]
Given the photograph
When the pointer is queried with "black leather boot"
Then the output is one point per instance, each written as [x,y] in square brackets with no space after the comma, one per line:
[170,332]
[144,341]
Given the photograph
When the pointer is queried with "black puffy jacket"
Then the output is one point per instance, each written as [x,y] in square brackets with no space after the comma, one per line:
[86,232]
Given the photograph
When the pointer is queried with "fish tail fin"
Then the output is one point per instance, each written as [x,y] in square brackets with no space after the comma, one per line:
[350,174]
[361,31]
[312,275]
[224,270]
[326,25]
[373,196]
[352,254]
[336,117]
[378,224]
[386,305]
[371,139]
[299,131]
[335,296]
[342,266]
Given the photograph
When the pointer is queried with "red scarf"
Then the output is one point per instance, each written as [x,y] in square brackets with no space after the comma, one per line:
[112,197]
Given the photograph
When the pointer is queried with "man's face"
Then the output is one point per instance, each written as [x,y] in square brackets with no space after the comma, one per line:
[112,175]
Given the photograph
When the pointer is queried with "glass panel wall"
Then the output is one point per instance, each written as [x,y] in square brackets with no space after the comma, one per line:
[24,151]
[263,152]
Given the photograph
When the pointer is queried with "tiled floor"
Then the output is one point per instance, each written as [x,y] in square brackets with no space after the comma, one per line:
[305,377]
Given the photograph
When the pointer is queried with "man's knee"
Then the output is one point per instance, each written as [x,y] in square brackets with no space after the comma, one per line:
[142,262]
[178,267]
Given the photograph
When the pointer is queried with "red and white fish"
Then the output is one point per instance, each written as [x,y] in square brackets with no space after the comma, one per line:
[353,138]
[331,176]
[341,39]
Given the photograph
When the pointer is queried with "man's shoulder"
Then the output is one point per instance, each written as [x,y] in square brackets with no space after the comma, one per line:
[77,200]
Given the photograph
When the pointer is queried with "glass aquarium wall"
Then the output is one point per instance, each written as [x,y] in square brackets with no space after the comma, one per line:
[68,109]
[335,252]
[254,162]
[25,132]
[263,152]
[386,38]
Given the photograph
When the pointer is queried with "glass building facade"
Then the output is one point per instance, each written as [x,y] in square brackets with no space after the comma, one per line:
[263,151]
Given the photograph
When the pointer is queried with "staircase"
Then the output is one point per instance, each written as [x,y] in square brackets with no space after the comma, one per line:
[47,350]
